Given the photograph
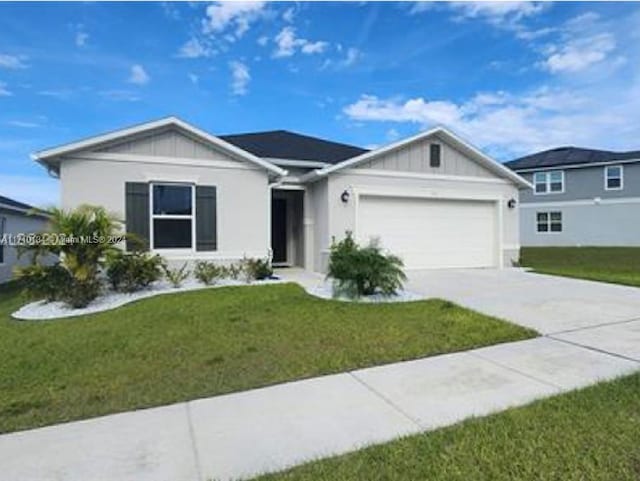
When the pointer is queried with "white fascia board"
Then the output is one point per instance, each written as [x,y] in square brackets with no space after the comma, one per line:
[482,158]
[49,154]
[310,164]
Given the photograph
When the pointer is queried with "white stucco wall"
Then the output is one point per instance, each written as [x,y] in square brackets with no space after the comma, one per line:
[243,195]
[17,223]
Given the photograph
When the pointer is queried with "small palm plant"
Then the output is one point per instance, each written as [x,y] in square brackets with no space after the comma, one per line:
[81,239]
[363,271]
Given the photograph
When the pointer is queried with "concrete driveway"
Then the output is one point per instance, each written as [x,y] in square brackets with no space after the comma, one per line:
[548,304]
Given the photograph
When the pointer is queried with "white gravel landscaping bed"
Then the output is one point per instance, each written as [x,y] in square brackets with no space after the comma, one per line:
[325,291]
[42,310]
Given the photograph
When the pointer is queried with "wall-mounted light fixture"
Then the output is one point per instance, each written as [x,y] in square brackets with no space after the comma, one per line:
[344,197]
[511,203]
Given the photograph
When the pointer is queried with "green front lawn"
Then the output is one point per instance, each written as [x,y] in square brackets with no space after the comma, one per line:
[203,343]
[588,435]
[619,265]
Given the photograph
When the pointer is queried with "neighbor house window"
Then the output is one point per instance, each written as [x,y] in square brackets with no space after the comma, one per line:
[435,154]
[613,177]
[172,216]
[549,222]
[3,221]
[549,182]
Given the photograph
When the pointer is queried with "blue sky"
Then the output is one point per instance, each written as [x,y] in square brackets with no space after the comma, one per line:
[511,78]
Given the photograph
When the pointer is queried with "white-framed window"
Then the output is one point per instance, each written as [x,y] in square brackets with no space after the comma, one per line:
[549,182]
[173,224]
[548,222]
[613,177]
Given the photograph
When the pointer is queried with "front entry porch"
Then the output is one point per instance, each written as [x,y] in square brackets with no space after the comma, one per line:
[287,227]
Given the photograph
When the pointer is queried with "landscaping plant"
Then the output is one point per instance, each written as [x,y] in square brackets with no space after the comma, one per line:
[232,271]
[256,269]
[176,276]
[132,271]
[363,271]
[80,239]
[208,272]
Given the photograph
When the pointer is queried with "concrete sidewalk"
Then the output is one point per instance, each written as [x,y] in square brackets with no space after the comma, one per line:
[244,434]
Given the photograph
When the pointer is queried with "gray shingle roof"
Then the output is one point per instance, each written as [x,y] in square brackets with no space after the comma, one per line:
[14,203]
[564,156]
[282,144]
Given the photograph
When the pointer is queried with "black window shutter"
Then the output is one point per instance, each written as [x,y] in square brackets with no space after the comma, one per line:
[137,212]
[206,220]
[434,155]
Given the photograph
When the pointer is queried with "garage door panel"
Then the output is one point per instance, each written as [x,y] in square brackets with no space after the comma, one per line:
[431,233]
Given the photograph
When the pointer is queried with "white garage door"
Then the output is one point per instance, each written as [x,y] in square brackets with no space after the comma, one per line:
[431,233]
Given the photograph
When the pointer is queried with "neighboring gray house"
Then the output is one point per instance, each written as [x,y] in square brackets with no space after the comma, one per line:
[432,199]
[581,197]
[15,219]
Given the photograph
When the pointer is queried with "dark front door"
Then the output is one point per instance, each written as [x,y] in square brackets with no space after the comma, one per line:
[279,230]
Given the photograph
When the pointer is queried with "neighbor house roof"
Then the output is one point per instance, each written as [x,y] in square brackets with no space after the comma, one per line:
[9,204]
[13,203]
[569,156]
[282,144]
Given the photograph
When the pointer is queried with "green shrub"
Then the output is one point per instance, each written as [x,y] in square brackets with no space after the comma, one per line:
[232,271]
[48,282]
[88,231]
[256,269]
[132,271]
[176,276]
[363,271]
[208,272]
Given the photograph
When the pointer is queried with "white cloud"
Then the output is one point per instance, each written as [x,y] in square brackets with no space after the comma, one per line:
[353,54]
[120,95]
[38,191]
[4,91]
[392,134]
[262,41]
[61,94]
[237,14]
[194,78]
[420,7]
[287,44]
[12,62]
[196,48]
[418,110]
[81,36]
[580,53]
[81,39]
[288,15]
[509,124]
[584,41]
[139,75]
[497,12]
[240,77]
[24,124]
[351,57]
[314,47]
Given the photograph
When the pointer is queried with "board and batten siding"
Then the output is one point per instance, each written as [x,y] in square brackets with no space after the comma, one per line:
[167,143]
[415,158]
